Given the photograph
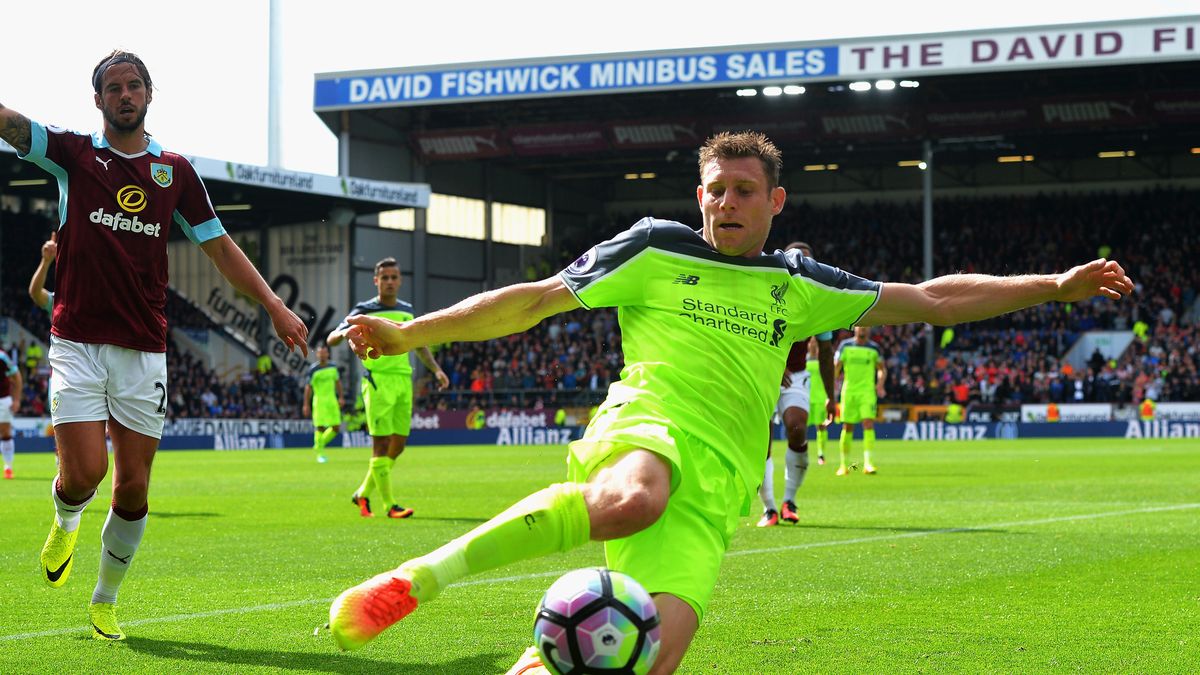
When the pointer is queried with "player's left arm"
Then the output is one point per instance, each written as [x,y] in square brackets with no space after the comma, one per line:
[233,264]
[960,298]
[431,363]
[880,376]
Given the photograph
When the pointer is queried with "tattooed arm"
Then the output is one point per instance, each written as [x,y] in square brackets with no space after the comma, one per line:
[14,128]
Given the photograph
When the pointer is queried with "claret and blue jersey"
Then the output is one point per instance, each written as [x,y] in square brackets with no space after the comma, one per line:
[115,212]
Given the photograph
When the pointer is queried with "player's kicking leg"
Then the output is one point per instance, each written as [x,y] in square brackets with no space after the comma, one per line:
[623,498]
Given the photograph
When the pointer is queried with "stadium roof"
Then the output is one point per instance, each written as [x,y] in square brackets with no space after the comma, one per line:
[1061,92]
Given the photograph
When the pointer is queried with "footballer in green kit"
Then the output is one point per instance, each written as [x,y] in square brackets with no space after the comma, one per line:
[386,390]
[672,458]
[859,363]
[323,400]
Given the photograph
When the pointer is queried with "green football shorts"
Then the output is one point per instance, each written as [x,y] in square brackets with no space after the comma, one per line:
[388,403]
[858,406]
[681,553]
[325,412]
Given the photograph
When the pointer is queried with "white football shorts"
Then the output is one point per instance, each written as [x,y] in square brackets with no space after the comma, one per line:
[92,381]
[6,410]
[795,396]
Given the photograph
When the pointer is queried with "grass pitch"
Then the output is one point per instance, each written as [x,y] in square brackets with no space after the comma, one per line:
[996,556]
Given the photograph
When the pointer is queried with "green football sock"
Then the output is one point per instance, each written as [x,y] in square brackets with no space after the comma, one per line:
[844,442]
[548,521]
[868,444]
[381,469]
[822,439]
[325,436]
[368,484]
[316,440]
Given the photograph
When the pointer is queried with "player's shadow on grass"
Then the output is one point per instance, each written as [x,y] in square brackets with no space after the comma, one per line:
[185,514]
[305,661]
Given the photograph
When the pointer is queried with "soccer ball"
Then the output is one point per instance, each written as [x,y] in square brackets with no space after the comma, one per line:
[594,621]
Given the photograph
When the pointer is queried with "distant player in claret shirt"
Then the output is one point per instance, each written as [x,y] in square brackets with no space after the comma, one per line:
[45,299]
[10,403]
[860,365]
[792,410]
[323,400]
[387,392]
[674,454]
[37,284]
[120,194]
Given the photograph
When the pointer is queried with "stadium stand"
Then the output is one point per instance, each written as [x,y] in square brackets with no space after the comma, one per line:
[570,359]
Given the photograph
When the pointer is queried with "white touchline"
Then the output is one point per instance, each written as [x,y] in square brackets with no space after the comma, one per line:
[538,575]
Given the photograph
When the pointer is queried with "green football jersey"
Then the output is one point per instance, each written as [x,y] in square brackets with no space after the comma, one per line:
[705,335]
[400,312]
[323,380]
[858,364]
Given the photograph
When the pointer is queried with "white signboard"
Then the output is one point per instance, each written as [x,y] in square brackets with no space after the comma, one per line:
[1069,412]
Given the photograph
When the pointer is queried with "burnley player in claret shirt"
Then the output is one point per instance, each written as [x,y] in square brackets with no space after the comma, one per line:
[120,193]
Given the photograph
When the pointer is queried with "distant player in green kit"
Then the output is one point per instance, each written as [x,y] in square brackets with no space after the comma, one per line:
[672,458]
[387,391]
[323,400]
[859,362]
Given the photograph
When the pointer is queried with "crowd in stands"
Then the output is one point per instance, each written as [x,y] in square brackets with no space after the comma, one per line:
[1012,359]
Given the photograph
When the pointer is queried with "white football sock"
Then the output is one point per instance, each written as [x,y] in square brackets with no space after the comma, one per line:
[7,449]
[766,491]
[119,540]
[66,514]
[795,466]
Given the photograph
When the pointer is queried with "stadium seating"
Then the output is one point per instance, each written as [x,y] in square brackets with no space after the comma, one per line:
[571,359]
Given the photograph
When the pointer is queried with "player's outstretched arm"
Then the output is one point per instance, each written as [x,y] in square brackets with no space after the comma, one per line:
[959,298]
[232,263]
[37,284]
[15,129]
[480,317]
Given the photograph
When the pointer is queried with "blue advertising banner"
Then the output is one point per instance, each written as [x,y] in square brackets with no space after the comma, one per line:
[572,77]
[245,436]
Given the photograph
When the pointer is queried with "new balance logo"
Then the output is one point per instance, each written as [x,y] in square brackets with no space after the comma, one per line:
[124,561]
[104,162]
[687,280]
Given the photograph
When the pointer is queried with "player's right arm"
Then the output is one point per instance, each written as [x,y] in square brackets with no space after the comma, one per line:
[308,392]
[16,130]
[37,285]
[484,316]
